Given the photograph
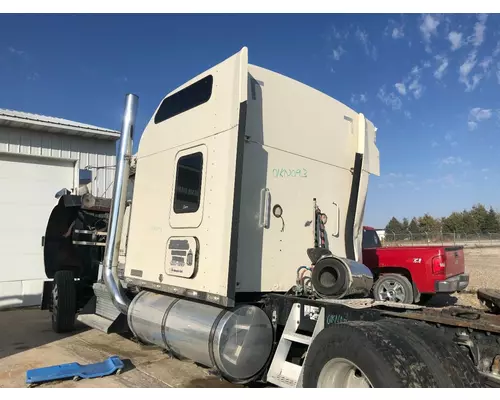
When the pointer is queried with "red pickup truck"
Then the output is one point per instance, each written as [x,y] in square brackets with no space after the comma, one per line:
[413,274]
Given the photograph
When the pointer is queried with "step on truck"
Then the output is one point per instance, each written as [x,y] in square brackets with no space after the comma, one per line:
[234,239]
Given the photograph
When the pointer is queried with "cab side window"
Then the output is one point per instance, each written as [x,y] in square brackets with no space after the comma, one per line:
[188,183]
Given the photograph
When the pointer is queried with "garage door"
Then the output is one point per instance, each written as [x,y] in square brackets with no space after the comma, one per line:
[27,197]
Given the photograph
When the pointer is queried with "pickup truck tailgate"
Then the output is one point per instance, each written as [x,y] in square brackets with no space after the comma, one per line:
[455,261]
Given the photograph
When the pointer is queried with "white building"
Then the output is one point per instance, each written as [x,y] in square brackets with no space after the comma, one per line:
[39,156]
[381,234]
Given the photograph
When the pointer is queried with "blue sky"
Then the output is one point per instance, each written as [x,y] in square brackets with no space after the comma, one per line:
[430,83]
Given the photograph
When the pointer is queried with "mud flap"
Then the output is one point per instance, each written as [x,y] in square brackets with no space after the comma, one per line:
[46,295]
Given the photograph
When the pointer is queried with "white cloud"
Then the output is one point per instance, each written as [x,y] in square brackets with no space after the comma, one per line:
[475,81]
[470,63]
[485,170]
[450,161]
[480,114]
[477,115]
[439,72]
[17,52]
[401,88]
[445,181]
[455,39]
[398,33]
[486,63]
[361,98]
[370,49]
[498,73]
[417,88]
[434,144]
[337,53]
[389,185]
[479,28]
[395,175]
[407,114]
[415,70]
[395,29]
[389,99]
[428,28]
[466,68]
[472,125]
[454,144]
[496,52]
[336,33]
[412,82]
[362,37]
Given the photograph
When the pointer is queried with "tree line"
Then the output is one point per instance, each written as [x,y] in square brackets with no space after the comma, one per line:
[478,219]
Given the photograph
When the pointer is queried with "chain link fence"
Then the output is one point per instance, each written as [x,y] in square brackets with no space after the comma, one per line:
[480,239]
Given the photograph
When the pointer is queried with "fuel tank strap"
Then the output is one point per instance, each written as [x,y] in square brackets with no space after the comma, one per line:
[164,325]
[212,335]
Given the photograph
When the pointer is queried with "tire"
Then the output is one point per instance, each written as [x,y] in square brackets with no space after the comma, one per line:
[63,302]
[399,284]
[385,358]
[439,352]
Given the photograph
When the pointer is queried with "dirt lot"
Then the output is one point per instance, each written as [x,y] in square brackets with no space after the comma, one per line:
[27,341]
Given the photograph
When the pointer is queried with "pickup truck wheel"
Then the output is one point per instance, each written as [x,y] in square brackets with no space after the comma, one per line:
[366,354]
[393,287]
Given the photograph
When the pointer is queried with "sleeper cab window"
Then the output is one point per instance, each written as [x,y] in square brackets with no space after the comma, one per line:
[188,183]
[186,99]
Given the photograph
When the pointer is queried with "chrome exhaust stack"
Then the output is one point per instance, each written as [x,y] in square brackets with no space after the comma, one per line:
[115,223]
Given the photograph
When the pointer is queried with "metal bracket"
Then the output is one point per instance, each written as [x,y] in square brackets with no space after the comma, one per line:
[464,340]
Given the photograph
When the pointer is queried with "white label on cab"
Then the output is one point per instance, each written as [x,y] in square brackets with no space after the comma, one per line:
[180,256]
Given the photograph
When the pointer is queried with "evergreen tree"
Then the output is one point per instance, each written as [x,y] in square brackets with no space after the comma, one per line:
[413,227]
[470,224]
[427,223]
[477,219]
[492,222]
[480,216]
[454,222]
[394,226]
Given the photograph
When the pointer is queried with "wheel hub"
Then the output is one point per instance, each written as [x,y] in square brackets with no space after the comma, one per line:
[392,291]
[342,373]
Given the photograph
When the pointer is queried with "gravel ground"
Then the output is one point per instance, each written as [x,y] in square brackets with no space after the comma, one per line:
[483,265]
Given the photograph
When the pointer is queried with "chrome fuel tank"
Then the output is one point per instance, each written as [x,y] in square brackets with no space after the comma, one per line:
[237,342]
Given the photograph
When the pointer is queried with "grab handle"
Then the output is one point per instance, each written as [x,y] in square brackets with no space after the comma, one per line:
[338,219]
[265,208]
